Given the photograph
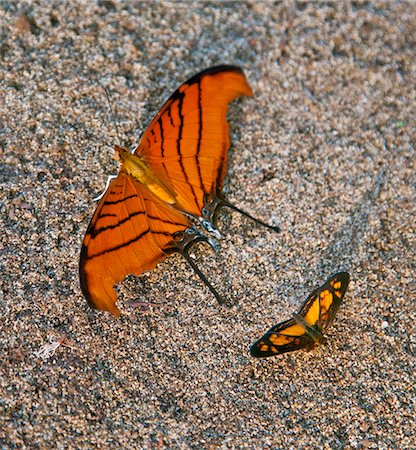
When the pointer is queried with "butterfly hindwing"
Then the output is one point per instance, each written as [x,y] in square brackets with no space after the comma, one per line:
[128,234]
[315,316]
[284,337]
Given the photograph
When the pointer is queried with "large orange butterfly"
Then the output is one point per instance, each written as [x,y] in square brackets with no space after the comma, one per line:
[307,327]
[168,191]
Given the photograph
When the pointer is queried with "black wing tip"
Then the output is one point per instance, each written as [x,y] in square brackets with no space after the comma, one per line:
[344,277]
[213,70]
[254,350]
[197,77]
[220,68]
[257,353]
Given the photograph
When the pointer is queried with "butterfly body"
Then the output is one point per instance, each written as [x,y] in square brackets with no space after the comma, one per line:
[166,190]
[307,327]
[134,166]
[311,330]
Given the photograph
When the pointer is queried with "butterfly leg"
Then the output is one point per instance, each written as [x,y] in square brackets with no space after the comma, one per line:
[210,228]
[214,204]
[184,242]
[205,223]
[243,213]
[203,277]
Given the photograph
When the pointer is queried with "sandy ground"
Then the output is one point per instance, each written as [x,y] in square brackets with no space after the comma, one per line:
[325,149]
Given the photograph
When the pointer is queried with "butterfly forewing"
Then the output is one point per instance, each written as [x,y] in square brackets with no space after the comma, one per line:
[188,141]
[330,298]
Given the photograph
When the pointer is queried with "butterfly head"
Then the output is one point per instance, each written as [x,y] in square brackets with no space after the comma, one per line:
[120,154]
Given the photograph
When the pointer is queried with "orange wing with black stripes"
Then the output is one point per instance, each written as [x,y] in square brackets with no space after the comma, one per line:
[306,328]
[171,178]
[187,142]
[127,235]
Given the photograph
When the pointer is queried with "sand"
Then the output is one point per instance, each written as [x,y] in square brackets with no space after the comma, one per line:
[324,148]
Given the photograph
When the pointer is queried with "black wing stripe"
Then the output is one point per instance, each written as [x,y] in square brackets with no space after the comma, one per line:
[198,149]
[127,243]
[181,121]
[115,202]
[100,230]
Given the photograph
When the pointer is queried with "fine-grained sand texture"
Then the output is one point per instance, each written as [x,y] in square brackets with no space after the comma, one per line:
[324,148]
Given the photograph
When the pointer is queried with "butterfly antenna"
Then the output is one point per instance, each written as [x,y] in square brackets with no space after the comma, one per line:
[202,277]
[107,94]
[243,213]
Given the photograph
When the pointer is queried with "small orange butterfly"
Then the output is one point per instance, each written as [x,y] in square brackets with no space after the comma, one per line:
[307,327]
[168,191]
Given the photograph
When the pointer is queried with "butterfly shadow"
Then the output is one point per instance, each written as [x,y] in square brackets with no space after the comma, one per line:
[345,245]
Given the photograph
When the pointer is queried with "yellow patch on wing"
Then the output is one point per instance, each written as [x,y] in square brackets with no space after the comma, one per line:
[312,315]
[264,347]
[278,339]
[336,284]
[326,300]
[292,330]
